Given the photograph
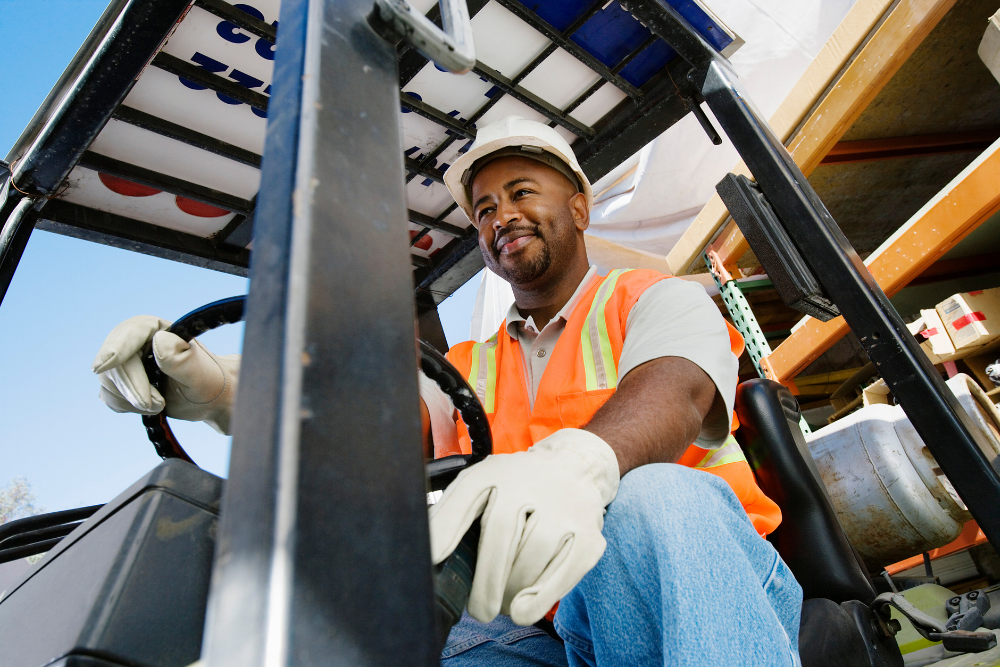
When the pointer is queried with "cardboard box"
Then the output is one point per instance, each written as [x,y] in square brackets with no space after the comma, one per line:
[935,341]
[972,318]
[989,47]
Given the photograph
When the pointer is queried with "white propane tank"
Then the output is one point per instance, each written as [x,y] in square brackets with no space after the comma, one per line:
[889,492]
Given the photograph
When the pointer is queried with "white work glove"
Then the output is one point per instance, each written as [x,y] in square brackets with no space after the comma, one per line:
[542,515]
[200,385]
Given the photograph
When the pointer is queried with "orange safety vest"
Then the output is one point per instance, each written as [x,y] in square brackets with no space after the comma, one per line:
[581,375]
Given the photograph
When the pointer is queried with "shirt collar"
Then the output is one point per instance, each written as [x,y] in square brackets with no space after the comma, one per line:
[514,318]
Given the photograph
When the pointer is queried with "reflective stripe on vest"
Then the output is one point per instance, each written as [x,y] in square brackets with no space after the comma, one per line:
[730,452]
[598,358]
[483,375]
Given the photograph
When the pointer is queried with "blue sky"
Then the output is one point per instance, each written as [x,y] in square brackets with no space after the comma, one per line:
[68,294]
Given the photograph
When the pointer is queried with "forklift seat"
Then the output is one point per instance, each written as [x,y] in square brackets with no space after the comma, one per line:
[837,627]
[810,538]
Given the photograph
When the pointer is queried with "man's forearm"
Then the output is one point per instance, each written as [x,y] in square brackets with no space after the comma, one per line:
[656,412]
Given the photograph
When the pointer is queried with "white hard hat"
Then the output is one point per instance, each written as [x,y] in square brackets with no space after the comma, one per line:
[527,138]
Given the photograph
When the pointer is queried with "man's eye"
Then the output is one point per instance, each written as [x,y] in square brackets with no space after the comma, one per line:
[520,193]
[483,212]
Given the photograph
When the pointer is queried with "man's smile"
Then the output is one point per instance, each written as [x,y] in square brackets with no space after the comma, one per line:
[513,241]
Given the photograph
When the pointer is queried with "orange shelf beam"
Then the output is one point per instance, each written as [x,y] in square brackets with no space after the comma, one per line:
[970,537]
[964,204]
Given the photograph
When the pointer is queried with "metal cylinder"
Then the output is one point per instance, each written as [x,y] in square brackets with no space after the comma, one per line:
[889,492]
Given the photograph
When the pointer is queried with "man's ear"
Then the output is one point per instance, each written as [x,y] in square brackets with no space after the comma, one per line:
[580,211]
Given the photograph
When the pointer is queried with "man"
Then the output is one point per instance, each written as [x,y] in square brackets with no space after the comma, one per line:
[595,387]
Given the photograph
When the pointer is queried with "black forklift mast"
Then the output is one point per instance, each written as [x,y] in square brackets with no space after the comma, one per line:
[323,551]
[322,554]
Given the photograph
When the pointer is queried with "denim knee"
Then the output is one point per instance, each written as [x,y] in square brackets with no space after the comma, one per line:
[660,490]
[682,560]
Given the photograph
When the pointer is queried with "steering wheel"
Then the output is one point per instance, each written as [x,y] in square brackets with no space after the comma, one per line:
[192,325]
[440,472]
[453,577]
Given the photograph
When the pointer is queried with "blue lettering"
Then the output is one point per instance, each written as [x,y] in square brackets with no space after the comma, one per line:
[264,48]
[245,80]
[228,31]
[206,63]
[427,182]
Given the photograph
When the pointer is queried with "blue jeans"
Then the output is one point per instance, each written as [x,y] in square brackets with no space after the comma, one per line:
[685,580]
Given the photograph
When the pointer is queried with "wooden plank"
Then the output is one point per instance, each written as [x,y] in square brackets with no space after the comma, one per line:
[834,377]
[610,255]
[730,246]
[892,43]
[970,199]
[868,150]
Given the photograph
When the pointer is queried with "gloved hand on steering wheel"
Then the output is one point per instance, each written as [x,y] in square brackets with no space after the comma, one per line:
[200,385]
[542,515]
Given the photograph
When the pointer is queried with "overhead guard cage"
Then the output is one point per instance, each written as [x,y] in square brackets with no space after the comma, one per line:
[323,553]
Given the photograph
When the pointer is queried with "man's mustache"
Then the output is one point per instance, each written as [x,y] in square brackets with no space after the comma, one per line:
[513,233]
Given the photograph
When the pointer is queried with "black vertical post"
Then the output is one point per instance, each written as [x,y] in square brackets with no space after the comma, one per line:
[929,404]
[17,221]
[323,555]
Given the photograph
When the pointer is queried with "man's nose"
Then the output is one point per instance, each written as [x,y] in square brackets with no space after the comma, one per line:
[507,214]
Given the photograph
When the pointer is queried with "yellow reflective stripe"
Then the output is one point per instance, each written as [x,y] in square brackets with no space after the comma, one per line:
[598,358]
[473,378]
[483,374]
[491,375]
[730,452]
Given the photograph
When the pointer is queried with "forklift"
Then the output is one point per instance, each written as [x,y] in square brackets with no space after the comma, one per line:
[179,130]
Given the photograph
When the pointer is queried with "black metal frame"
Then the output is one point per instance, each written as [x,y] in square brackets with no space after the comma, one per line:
[174,186]
[120,232]
[324,523]
[180,133]
[37,534]
[643,114]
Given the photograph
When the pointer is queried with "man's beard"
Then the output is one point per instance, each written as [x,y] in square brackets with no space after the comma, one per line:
[524,271]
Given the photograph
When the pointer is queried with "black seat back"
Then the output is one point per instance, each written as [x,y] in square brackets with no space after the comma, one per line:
[810,538]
